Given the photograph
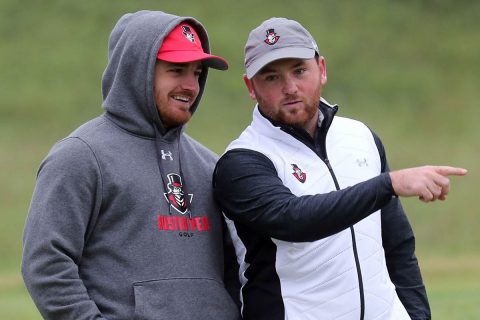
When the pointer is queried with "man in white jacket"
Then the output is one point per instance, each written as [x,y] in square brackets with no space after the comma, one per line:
[310,202]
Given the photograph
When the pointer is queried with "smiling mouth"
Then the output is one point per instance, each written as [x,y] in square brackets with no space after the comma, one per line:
[183,99]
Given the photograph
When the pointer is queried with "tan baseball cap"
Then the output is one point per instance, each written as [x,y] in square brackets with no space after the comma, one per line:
[274,39]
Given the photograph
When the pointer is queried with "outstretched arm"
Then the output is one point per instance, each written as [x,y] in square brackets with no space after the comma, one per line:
[249,191]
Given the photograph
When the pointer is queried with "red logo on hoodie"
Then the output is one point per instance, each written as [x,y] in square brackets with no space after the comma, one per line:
[185,224]
[175,195]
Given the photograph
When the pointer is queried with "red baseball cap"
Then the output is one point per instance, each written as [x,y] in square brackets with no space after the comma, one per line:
[183,45]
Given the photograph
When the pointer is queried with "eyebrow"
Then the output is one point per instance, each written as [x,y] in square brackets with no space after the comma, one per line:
[183,64]
[268,69]
[265,70]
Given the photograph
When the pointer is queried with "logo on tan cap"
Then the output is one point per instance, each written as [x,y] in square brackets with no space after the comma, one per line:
[272,37]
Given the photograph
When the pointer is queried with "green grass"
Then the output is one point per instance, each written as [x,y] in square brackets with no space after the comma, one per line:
[15,303]
[408,69]
[452,285]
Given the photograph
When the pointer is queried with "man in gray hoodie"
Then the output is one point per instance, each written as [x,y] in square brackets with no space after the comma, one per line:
[122,223]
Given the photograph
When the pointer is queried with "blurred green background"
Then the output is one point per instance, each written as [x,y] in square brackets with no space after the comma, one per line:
[409,69]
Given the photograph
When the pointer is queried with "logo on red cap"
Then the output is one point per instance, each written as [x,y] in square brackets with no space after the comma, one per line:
[183,45]
[188,33]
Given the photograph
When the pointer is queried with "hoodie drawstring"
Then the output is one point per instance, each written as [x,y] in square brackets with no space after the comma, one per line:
[169,164]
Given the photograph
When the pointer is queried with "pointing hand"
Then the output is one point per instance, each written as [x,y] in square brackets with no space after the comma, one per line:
[429,183]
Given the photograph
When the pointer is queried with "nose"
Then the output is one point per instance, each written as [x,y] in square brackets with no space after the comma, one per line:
[190,82]
[289,86]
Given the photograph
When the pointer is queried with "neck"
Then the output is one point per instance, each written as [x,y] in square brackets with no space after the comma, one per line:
[312,125]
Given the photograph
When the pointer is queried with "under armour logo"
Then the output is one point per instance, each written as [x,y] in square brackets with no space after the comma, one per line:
[362,162]
[166,154]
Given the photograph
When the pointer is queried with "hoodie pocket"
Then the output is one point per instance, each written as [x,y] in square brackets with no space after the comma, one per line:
[183,298]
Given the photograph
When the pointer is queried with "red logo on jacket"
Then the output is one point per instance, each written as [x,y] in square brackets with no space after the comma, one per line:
[298,173]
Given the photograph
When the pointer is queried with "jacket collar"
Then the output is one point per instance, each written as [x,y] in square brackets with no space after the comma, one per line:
[326,116]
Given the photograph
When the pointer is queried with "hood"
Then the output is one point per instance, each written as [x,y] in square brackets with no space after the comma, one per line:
[127,83]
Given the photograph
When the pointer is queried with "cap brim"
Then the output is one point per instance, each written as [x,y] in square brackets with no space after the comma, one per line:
[282,53]
[208,60]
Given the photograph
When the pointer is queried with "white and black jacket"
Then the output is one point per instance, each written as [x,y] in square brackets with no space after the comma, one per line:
[317,229]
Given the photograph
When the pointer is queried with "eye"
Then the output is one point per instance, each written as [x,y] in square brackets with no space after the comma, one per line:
[270,77]
[177,70]
[300,70]
[198,72]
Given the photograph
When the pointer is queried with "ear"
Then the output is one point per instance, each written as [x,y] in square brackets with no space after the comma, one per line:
[249,84]
[322,67]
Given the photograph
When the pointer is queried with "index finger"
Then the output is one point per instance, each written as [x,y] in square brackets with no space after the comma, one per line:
[450,171]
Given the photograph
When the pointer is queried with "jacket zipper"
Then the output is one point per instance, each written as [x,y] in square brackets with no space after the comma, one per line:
[321,152]
[354,243]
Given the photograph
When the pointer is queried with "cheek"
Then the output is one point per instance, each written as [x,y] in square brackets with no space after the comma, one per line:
[266,96]
[264,101]
[157,91]
[313,90]
[197,87]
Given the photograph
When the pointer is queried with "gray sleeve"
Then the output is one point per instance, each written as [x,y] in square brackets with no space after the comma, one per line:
[65,200]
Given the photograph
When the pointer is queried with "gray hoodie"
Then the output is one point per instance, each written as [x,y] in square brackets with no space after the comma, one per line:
[122,222]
